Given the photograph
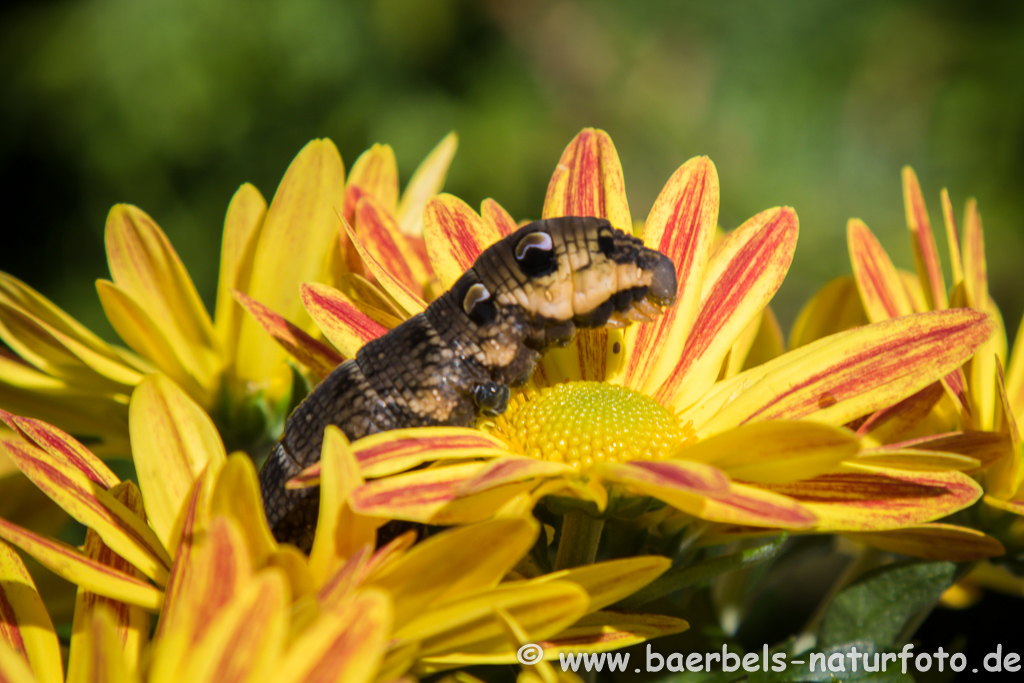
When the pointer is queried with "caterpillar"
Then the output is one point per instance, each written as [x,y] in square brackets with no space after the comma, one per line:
[528,292]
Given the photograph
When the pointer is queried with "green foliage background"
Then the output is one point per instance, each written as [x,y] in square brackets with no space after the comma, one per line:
[171,104]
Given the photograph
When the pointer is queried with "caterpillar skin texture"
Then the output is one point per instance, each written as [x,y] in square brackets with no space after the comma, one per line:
[526,293]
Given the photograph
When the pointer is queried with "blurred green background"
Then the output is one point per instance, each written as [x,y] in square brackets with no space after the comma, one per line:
[171,104]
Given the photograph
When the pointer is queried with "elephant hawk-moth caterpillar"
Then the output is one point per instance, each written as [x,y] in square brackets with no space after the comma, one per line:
[529,291]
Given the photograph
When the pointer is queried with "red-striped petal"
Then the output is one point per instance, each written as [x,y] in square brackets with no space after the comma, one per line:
[314,354]
[881,289]
[882,499]
[743,276]
[455,236]
[681,225]
[339,319]
[62,446]
[926,255]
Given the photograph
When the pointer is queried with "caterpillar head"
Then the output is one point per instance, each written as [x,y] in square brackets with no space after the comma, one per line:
[561,274]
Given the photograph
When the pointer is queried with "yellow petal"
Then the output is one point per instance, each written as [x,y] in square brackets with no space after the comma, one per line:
[454,563]
[144,265]
[130,624]
[836,307]
[341,321]
[69,563]
[237,495]
[985,447]
[26,627]
[455,237]
[847,375]
[975,266]
[952,239]
[339,587]
[913,459]
[982,373]
[94,507]
[425,183]
[416,496]
[741,278]
[880,287]
[1005,477]
[293,247]
[347,645]
[881,499]
[63,447]
[470,624]
[513,469]
[194,519]
[13,668]
[926,255]
[97,655]
[245,639]
[704,491]
[375,174]
[935,542]
[681,225]
[293,562]
[753,506]
[408,298]
[1015,374]
[890,424]
[496,218]
[29,322]
[339,531]
[775,451]
[398,450]
[92,415]
[320,358]
[380,235]
[608,582]
[588,181]
[173,440]
[205,581]
[242,227]
[145,336]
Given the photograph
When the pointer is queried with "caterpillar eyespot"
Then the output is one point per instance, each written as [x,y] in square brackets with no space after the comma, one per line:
[535,254]
[475,295]
[535,240]
[457,359]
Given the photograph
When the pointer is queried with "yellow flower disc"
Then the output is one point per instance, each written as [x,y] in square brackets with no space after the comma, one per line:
[582,423]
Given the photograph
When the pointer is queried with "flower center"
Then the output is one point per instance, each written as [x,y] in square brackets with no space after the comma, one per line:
[582,423]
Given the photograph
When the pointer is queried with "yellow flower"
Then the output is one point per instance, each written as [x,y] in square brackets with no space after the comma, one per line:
[973,399]
[66,375]
[191,544]
[762,446]
[962,417]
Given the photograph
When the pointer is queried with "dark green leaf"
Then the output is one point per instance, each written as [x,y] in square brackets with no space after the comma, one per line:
[880,604]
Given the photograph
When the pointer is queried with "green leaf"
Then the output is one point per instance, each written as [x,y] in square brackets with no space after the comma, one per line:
[680,577]
[878,606]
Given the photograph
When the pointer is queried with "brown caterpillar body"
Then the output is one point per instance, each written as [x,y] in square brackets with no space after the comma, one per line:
[526,293]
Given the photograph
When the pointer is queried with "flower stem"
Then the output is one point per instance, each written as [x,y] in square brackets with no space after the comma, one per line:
[581,534]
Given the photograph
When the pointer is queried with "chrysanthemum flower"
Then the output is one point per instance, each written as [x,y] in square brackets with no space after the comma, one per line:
[191,543]
[971,411]
[663,409]
[66,375]
[957,419]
